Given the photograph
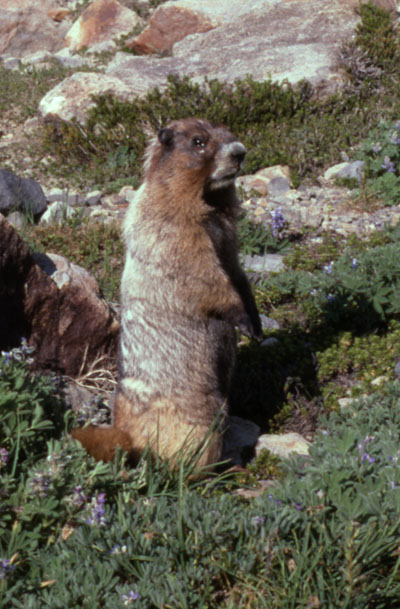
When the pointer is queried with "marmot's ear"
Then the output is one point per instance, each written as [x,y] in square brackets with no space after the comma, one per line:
[166,136]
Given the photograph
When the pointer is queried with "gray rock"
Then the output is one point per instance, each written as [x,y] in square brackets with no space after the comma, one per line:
[270,263]
[346,170]
[16,219]
[268,323]
[93,198]
[68,59]
[25,27]
[20,194]
[283,445]
[56,194]
[271,341]
[10,63]
[36,58]
[278,187]
[57,213]
[72,97]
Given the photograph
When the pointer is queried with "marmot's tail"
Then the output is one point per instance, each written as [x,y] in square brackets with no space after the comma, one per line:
[102,442]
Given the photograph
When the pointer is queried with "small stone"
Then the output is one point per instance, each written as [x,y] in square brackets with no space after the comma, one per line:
[17,219]
[345,403]
[36,58]
[270,263]
[272,341]
[380,380]
[345,170]
[10,63]
[75,199]
[68,59]
[56,194]
[102,47]
[268,323]
[283,445]
[93,198]
[57,213]
[128,193]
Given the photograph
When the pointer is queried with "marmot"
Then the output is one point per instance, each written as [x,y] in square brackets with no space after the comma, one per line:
[182,294]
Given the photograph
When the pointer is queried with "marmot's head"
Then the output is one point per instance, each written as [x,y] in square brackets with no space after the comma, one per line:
[197,150]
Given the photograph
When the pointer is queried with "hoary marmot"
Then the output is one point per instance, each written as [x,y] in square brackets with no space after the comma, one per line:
[182,294]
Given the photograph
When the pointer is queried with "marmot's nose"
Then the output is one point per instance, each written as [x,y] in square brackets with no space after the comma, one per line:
[238,152]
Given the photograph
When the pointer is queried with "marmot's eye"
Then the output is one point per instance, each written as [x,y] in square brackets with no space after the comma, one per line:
[198,142]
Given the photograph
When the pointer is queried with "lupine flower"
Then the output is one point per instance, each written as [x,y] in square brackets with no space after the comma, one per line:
[39,484]
[354,263]
[298,506]
[130,597]
[3,456]
[366,457]
[394,138]
[5,567]
[328,268]
[97,510]
[19,354]
[388,165]
[377,147]
[277,221]
[78,498]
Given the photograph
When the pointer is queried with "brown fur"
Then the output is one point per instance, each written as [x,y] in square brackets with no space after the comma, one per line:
[182,294]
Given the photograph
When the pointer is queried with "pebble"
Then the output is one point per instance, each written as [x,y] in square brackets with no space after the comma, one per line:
[283,445]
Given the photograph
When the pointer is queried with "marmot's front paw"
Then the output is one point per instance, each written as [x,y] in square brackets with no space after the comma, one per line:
[250,327]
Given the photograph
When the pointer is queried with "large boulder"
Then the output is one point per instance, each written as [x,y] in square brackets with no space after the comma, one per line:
[20,194]
[26,26]
[169,24]
[54,304]
[102,21]
[71,99]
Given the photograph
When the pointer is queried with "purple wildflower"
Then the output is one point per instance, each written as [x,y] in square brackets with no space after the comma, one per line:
[298,506]
[258,520]
[3,456]
[394,139]
[354,263]
[277,221]
[131,596]
[97,510]
[388,165]
[366,457]
[78,498]
[39,484]
[328,268]
[5,567]
[376,148]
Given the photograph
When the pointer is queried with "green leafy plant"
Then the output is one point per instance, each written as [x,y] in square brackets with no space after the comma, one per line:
[381,154]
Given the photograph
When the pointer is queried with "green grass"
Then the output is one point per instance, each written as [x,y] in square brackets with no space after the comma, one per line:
[22,90]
